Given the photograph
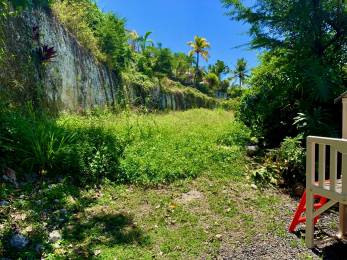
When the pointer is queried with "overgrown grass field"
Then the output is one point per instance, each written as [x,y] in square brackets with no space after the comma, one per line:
[161,148]
[150,185]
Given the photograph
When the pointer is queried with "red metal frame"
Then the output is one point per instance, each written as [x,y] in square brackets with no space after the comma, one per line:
[298,218]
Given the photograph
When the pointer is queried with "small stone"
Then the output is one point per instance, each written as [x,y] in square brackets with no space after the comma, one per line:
[10,176]
[219,236]
[97,252]
[54,236]
[21,196]
[39,248]
[4,203]
[19,241]
[299,189]
[253,186]
[56,201]
[63,211]
[252,149]
[31,177]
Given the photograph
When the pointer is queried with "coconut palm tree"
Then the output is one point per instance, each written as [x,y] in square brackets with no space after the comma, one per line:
[240,71]
[199,47]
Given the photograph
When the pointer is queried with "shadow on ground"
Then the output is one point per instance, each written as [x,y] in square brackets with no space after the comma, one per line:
[329,246]
[106,229]
[36,210]
[337,250]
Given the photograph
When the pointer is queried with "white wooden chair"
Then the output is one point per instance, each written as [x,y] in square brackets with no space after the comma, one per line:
[334,188]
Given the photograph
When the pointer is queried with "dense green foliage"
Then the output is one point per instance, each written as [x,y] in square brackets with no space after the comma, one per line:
[302,71]
[283,165]
[101,33]
[33,143]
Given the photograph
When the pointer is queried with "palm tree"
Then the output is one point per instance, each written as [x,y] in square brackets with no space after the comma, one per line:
[212,80]
[240,71]
[199,47]
[144,41]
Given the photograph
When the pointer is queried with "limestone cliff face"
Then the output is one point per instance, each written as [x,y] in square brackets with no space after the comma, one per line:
[74,80]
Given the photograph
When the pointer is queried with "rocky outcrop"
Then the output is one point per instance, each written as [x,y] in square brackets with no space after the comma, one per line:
[74,80]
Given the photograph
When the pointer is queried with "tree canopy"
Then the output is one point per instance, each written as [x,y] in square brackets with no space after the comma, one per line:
[304,68]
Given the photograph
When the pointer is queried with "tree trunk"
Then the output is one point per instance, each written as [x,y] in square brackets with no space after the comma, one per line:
[197,61]
[197,69]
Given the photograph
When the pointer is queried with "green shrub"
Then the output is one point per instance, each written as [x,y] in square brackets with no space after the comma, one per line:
[32,141]
[230,104]
[235,134]
[74,16]
[95,153]
[287,163]
[292,156]
[235,92]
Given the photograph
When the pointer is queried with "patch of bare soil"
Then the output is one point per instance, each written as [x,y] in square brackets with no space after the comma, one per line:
[190,196]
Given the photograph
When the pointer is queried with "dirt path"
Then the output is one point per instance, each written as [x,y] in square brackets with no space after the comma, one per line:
[291,246]
[206,218]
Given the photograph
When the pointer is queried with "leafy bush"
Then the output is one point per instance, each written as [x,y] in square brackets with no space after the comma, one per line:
[230,104]
[302,71]
[235,91]
[32,141]
[316,123]
[292,156]
[94,154]
[75,17]
[287,163]
[235,134]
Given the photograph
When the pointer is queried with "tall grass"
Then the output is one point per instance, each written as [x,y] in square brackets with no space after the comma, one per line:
[128,148]
[30,141]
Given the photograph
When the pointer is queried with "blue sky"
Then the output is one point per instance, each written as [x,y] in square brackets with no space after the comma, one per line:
[174,23]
